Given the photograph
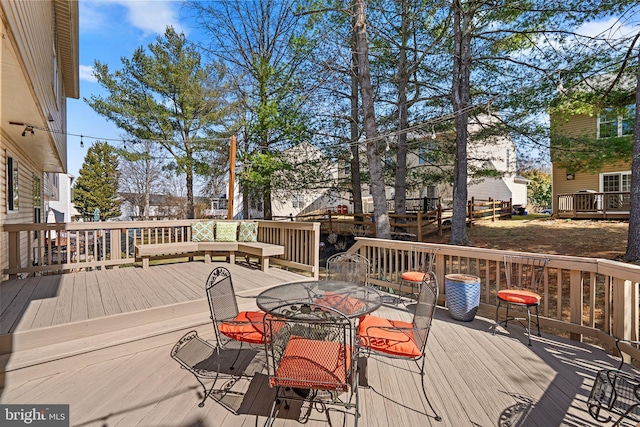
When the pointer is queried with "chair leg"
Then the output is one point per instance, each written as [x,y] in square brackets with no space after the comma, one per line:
[529,325]
[496,325]
[424,388]
[538,321]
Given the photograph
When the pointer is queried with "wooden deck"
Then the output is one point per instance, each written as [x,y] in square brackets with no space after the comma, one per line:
[474,378]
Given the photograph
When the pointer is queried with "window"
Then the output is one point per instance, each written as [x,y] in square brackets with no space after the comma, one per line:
[616,181]
[12,185]
[37,200]
[297,202]
[427,153]
[616,121]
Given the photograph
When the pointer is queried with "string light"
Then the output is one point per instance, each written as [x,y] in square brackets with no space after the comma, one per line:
[81,143]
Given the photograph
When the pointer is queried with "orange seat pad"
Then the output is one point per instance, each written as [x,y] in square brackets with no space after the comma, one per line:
[377,333]
[247,326]
[519,296]
[413,276]
[313,364]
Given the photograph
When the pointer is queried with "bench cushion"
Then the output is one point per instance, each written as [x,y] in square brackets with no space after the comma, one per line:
[202,231]
[248,231]
[226,231]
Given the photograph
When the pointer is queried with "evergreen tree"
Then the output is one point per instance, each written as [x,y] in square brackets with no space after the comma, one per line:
[97,183]
[169,96]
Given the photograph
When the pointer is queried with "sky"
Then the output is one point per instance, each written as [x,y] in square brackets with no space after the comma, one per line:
[112,29]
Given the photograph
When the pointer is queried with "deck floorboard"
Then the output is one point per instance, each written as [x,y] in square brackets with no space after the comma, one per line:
[473,377]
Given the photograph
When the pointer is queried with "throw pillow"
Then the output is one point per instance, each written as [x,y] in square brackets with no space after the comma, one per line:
[202,231]
[226,231]
[248,232]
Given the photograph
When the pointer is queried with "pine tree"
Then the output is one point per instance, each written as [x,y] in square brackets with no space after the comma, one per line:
[97,184]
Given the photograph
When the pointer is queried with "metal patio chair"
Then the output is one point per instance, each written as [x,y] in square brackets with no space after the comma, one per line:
[615,393]
[311,357]
[239,337]
[523,276]
[400,339]
[420,261]
[348,267]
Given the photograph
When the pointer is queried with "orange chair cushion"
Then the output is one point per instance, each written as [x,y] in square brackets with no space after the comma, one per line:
[313,364]
[375,333]
[343,303]
[413,276]
[519,296]
[247,326]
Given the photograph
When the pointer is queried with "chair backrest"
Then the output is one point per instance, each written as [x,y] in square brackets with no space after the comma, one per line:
[421,258]
[348,267]
[222,299]
[313,348]
[524,272]
[425,309]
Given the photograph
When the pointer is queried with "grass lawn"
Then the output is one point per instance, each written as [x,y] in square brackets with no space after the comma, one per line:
[541,234]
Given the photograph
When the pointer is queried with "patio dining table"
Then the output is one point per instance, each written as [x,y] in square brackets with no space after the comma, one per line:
[293,299]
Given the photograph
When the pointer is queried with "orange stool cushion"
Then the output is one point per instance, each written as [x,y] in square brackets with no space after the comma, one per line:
[313,364]
[413,276]
[247,326]
[375,333]
[519,296]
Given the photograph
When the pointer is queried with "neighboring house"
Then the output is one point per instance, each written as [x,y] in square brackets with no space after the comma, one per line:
[61,203]
[39,72]
[603,193]
[498,154]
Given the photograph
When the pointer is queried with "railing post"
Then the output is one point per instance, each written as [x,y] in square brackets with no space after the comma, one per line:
[14,252]
[493,209]
[622,321]
[577,295]
[419,218]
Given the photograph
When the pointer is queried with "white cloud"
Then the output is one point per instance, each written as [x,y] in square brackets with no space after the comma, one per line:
[609,28]
[152,16]
[149,16]
[86,74]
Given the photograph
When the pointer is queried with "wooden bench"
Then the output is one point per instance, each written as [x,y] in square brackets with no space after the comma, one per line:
[168,250]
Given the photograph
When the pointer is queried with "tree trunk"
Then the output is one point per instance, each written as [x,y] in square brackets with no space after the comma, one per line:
[383,228]
[461,89]
[190,209]
[356,183]
[400,196]
[147,185]
[633,240]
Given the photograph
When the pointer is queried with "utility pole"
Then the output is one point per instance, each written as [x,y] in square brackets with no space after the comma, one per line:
[232,175]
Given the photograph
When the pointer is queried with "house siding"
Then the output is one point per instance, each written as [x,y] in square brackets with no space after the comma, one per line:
[35,34]
[580,124]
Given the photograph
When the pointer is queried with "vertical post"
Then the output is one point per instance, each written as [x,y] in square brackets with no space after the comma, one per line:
[419,217]
[622,311]
[439,219]
[470,208]
[576,301]
[232,176]
[14,252]
[493,209]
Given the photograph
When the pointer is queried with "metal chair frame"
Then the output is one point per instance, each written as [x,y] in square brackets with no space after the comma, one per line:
[421,260]
[422,320]
[522,273]
[348,267]
[616,392]
[200,357]
[317,326]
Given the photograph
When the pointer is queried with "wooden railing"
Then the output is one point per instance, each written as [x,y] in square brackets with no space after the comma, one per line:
[60,247]
[594,205]
[411,226]
[590,297]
